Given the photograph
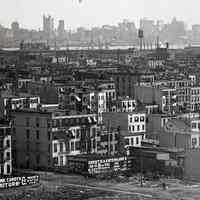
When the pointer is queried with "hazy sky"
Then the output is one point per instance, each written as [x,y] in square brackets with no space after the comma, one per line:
[91,13]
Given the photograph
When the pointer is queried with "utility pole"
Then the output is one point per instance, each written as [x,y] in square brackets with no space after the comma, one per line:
[141,168]
[157,42]
[109,130]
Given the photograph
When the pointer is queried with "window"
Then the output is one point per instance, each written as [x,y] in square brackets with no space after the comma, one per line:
[138,127]
[77,146]
[132,141]
[55,147]
[129,128]
[27,121]
[93,143]
[194,125]
[61,147]
[8,169]
[63,122]
[67,121]
[131,119]
[143,127]
[127,141]
[72,121]
[57,122]
[37,146]
[8,155]
[27,146]
[77,120]
[48,123]
[121,164]
[49,160]
[38,159]
[115,136]
[78,133]
[112,165]
[37,122]
[1,143]
[8,130]
[93,132]
[49,135]
[84,99]
[72,146]
[37,134]
[49,148]
[164,121]
[27,134]
[61,160]
[136,119]
[137,140]
[1,156]
[54,123]
[133,128]
[199,126]
[55,160]
[1,131]
[8,143]
[194,141]
[2,169]
[142,119]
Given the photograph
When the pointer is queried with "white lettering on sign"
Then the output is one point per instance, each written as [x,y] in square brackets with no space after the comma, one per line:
[99,166]
[18,181]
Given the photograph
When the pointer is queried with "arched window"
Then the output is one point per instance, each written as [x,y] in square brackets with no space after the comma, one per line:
[8,169]
[8,143]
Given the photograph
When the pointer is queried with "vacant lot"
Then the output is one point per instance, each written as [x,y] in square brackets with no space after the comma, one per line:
[72,187]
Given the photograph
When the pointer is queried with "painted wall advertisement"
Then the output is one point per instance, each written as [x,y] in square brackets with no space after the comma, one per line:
[18,181]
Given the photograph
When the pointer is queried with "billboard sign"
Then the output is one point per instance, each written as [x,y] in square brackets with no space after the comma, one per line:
[18,181]
[162,156]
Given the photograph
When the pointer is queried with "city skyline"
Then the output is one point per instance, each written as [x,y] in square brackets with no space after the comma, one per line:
[29,14]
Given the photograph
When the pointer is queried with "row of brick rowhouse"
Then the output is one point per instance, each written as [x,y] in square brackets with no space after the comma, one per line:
[46,139]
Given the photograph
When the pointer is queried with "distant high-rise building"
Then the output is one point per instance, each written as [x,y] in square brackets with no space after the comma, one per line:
[178,27]
[196,32]
[15,29]
[127,30]
[61,29]
[48,26]
[176,30]
[160,25]
[147,26]
[15,26]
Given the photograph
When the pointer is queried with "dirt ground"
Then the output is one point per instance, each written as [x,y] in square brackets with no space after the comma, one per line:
[73,187]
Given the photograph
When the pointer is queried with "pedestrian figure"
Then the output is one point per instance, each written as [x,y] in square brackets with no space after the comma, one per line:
[164,186]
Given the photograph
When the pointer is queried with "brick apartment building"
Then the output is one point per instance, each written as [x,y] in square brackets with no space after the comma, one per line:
[5,148]
[39,135]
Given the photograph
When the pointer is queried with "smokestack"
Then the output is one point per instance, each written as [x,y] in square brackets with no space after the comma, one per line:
[140,36]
